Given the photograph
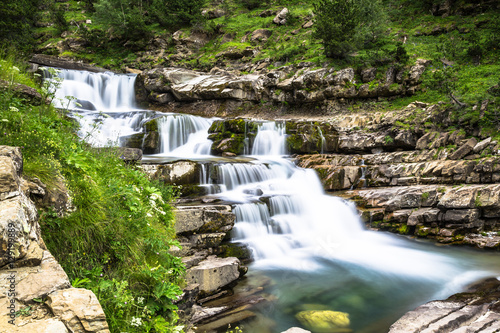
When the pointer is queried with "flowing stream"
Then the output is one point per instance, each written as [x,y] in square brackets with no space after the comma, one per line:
[312,246]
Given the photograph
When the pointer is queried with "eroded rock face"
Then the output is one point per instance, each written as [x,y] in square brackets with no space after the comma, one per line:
[29,270]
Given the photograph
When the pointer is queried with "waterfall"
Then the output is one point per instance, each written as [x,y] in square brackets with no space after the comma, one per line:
[184,135]
[270,139]
[106,92]
[282,212]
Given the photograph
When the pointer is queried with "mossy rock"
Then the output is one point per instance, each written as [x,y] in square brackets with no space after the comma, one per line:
[151,125]
[132,141]
[239,251]
[235,145]
[324,321]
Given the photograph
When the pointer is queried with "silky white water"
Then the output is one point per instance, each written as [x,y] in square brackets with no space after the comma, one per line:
[312,245]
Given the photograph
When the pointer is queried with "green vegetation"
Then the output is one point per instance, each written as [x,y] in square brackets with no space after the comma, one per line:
[116,239]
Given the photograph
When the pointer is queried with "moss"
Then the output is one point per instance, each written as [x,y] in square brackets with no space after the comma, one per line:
[403,229]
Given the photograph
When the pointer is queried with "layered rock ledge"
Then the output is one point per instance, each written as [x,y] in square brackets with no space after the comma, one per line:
[28,271]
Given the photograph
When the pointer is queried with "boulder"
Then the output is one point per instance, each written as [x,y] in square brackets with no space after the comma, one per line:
[261,35]
[202,219]
[481,145]
[214,273]
[280,18]
[342,77]
[79,309]
[368,74]
[324,321]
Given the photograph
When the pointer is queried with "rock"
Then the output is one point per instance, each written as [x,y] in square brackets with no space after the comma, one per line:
[425,140]
[14,153]
[24,91]
[39,281]
[424,215]
[261,35]
[213,273]
[462,216]
[459,198]
[368,74]
[79,309]
[342,77]
[9,178]
[201,219]
[52,61]
[324,321]
[280,18]
[465,149]
[50,325]
[296,330]
[416,71]
[308,24]
[18,218]
[481,145]
[475,310]
[179,173]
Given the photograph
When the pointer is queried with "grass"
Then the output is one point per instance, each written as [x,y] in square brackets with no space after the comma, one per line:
[116,240]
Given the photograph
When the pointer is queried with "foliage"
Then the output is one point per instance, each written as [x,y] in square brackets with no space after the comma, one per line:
[346,25]
[116,240]
[17,21]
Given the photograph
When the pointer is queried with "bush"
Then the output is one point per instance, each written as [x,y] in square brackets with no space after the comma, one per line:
[347,25]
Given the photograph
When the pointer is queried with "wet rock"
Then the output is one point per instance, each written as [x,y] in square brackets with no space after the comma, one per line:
[461,216]
[213,273]
[79,309]
[179,173]
[324,321]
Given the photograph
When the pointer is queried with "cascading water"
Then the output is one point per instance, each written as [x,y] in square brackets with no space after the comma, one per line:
[312,245]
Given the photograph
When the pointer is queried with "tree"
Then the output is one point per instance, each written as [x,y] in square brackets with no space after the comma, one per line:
[175,13]
[17,20]
[347,25]
[336,21]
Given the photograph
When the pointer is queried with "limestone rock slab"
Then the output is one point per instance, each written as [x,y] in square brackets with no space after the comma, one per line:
[36,282]
[214,273]
[79,309]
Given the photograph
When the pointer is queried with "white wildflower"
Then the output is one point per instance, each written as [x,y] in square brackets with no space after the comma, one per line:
[13,109]
[140,300]
[136,321]
[15,68]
